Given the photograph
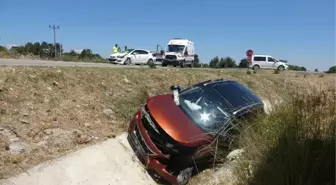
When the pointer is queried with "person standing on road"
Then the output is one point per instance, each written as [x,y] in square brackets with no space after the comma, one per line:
[115,48]
[125,51]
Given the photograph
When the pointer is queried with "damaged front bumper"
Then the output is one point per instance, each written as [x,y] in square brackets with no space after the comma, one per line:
[147,152]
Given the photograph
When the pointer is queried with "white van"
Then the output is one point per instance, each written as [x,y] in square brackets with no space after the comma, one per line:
[179,52]
[267,62]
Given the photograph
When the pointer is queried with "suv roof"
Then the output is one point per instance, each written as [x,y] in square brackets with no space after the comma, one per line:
[262,56]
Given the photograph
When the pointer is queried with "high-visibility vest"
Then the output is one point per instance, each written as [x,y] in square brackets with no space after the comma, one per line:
[115,49]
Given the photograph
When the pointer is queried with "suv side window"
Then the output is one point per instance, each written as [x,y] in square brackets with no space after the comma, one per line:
[260,59]
[270,59]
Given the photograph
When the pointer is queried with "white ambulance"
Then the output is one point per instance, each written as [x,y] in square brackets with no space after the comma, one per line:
[179,52]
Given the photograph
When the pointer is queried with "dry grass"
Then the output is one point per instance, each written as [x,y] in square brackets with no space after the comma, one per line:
[295,144]
[58,110]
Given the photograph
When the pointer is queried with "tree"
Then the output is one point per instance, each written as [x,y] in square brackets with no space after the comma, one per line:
[214,62]
[227,63]
[205,65]
[196,59]
[296,68]
[197,62]
[3,49]
[316,70]
[332,69]
[243,63]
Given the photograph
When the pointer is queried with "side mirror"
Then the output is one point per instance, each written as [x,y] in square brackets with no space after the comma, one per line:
[175,87]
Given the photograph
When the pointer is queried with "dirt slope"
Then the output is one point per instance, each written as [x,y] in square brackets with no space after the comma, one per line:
[46,113]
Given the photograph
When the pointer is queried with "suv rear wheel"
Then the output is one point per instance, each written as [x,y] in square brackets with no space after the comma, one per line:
[256,67]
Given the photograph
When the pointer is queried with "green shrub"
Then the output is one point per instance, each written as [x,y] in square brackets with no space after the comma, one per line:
[151,65]
[295,144]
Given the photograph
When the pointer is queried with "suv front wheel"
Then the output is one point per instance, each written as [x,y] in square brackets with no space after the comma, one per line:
[184,176]
[281,68]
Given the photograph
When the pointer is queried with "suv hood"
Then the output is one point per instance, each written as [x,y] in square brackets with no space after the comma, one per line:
[174,121]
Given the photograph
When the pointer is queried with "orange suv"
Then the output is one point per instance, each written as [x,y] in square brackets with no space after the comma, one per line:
[172,133]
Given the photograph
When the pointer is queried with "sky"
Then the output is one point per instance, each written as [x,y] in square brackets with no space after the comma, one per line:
[299,31]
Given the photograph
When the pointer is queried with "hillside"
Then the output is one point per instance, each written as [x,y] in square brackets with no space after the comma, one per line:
[48,112]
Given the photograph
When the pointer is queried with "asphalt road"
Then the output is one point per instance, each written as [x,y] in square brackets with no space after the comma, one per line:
[48,63]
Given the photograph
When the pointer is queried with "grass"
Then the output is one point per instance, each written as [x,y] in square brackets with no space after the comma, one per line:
[73,101]
[68,58]
[294,144]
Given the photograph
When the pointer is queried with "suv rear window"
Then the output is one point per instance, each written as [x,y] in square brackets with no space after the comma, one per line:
[260,59]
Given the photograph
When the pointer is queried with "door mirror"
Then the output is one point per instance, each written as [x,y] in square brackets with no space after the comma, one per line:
[186,53]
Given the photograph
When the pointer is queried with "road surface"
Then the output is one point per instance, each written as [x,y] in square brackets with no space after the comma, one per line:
[108,163]
[49,63]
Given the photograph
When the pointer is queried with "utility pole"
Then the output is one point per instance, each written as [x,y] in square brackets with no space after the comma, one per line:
[54,29]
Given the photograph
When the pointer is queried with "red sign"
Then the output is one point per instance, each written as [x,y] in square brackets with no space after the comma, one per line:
[249,53]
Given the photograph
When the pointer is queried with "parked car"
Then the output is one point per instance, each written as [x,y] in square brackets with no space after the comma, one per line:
[132,56]
[267,62]
[171,133]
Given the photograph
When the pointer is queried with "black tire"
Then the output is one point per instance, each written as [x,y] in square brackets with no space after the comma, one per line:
[128,61]
[150,61]
[281,68]
[186,177]
[256,67]
[163,63]
[182,64]
[192,64]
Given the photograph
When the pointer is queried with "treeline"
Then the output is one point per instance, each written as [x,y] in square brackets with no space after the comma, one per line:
[46,50]
[43,49]
[85,55]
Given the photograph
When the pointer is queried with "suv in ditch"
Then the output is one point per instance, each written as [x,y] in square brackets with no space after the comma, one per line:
[174,133]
